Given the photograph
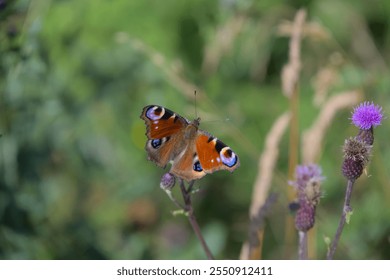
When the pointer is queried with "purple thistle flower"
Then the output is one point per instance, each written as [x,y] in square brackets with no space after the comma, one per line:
[308,186]
[305,173]
[367,115]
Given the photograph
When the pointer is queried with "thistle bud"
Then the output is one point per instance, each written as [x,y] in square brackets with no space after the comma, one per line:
[305,218]
[308,185]
[167,182]
[357,150]
[366,135]
[352,169]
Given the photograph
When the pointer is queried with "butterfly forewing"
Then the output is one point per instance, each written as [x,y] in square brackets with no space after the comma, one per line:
[161,122]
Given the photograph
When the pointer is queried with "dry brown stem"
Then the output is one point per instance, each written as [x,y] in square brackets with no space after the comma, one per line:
[267,162]
[291,71]
[312,30]
[266,167]
[290,82]
[324,79]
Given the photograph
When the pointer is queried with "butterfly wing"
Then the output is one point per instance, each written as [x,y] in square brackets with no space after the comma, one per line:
[161,122]
[214,155]
[164,130]
[186,166]
[204,154]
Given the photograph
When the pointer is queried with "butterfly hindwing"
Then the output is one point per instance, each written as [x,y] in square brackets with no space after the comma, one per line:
[187,165]
[214,155]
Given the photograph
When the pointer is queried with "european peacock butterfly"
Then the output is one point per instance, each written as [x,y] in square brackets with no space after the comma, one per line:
[192,152]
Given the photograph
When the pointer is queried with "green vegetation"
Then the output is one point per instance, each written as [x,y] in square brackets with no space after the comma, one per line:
[75,182]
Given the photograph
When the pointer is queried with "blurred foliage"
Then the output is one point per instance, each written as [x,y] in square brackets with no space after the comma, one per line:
[75,75]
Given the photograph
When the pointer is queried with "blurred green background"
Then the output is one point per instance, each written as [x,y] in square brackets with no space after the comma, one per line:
[74,76]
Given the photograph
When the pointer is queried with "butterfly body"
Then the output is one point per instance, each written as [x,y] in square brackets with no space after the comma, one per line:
[192,152]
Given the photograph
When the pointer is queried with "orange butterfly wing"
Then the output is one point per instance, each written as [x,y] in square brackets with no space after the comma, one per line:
[164,130]
[161,122]
[214,155]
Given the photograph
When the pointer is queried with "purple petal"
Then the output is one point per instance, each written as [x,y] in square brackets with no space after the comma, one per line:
[367,115]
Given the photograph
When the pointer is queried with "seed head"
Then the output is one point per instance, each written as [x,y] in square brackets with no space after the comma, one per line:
[357,150]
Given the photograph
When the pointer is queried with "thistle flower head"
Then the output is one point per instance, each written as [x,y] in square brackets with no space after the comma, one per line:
[306,173]
[308,185]
[167,182]
[367,115]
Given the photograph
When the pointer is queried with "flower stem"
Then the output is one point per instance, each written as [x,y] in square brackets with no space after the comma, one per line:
[346,211]
[302,249]
[191,217]
[173,199]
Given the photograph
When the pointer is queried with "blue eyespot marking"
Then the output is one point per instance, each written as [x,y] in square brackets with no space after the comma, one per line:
[155,113]
[156,143]
[228,157]
[197,167]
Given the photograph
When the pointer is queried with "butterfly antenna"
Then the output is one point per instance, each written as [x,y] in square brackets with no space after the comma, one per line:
[196,112]
[226,120]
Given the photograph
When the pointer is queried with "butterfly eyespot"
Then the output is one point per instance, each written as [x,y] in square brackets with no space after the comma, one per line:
[156,143]
[228,157]
[155,113]
[197,167]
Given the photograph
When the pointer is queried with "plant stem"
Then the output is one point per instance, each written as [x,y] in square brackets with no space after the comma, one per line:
[290,85]
[346,210]
[173,199]
[302,249]
[191,217]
